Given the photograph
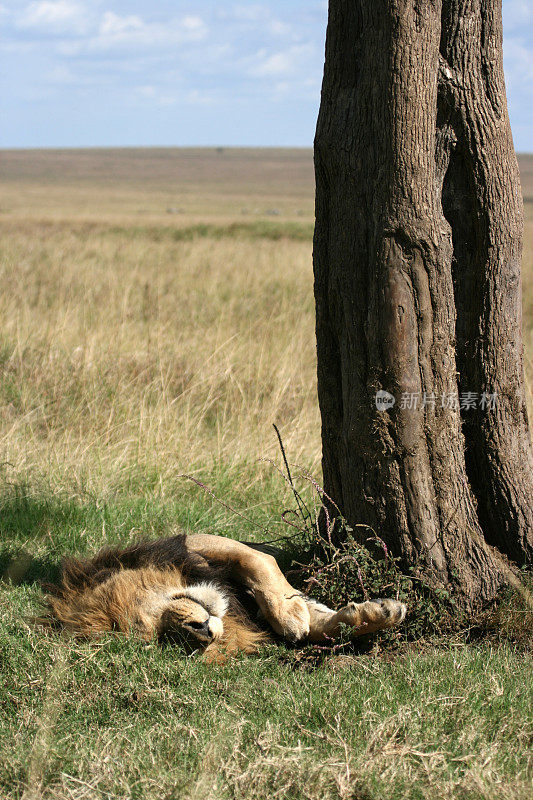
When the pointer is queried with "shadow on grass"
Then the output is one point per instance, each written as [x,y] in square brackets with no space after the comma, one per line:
[25,516]
[18,568]
[25,519]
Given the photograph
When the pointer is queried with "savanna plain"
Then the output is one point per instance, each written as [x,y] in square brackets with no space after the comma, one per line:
[156,319]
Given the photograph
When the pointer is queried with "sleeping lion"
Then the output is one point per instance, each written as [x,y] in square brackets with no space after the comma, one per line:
[202,591]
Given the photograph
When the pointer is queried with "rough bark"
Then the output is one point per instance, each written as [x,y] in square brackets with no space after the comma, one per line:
[417,277]
[483,203]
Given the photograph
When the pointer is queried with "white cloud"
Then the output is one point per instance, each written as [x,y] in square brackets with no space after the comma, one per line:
[54,16]
[251,13]
[281,89]
[84,30]
[146,91]
[168,96]
[516,14]
[257,17]
[278,28]
[195,97]
[62,75]
[117,33]
[518,61]
[112,24]
[282,64]
[193,23]
[155,95]
[276,64]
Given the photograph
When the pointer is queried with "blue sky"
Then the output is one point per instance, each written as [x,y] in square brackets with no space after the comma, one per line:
[170,72]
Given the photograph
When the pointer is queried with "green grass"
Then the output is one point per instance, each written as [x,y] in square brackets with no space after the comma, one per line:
[133,350]
[258,229]
[124,720]
[254,230]
[120,719]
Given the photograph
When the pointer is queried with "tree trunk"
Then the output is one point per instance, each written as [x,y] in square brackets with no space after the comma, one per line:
[417,284]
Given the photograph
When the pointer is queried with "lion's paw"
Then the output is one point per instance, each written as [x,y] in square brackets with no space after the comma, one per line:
[393,611]
[290,617]
[373,615]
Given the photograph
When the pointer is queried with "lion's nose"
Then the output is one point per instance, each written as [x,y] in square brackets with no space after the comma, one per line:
[202,629]
[200,626]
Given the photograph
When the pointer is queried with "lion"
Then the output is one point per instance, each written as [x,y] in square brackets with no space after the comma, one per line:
[200,590]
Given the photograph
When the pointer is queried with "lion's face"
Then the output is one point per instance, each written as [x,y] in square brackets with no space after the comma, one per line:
[194,615]
[188,620]
[149,602]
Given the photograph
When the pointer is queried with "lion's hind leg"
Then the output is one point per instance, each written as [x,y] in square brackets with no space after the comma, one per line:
[362,618]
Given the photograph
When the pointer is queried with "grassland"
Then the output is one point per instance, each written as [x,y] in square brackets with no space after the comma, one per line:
[157,317]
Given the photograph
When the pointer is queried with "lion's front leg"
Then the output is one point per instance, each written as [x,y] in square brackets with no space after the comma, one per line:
[283,607]
[368,617]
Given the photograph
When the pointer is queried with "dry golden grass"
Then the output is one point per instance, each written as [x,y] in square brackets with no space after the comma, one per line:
[121,352]
[144,183]
[123,348]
